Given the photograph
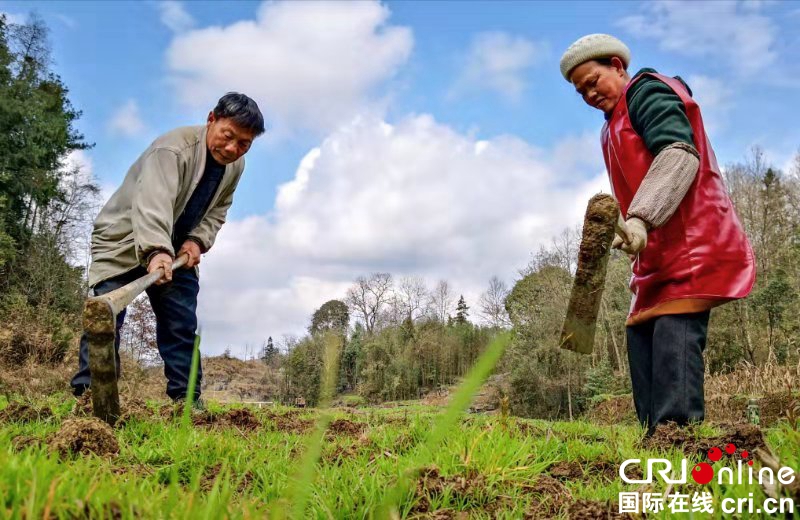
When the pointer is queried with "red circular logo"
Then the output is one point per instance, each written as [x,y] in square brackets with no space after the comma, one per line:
[714,454]
[703,473]
[730,449]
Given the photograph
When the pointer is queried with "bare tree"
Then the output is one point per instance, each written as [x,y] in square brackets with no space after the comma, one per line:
[492,304]
[70,216]
[288,343]
[412,295]
[368,297]
[138,336]
[441,301]
[562,253]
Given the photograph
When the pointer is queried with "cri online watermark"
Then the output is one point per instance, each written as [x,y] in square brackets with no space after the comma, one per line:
[703,473]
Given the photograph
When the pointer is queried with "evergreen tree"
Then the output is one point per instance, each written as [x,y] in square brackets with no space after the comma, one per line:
[41,201]
[36,129]
[461,311]
[269,352]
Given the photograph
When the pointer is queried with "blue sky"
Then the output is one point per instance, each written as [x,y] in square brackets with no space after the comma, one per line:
[429,139]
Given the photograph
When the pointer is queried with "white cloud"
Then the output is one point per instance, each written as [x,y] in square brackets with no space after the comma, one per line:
[126,121]
[309,65]
[80,161]
[175,16]
[715,99]
[728,30]
[498,61]
[414,198]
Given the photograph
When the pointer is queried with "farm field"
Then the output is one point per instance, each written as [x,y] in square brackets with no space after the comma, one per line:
[236,462]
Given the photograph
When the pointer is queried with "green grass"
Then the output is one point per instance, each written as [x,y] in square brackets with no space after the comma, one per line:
[396,462]
[164,470]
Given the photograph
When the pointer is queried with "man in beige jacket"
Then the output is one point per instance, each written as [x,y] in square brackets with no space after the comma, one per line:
[172,202]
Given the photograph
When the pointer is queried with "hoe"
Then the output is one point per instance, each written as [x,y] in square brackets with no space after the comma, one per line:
[99,318]
[601,220]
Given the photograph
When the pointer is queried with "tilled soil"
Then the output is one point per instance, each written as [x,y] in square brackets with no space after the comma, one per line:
[209,477]
[592,509]
[20,442]
[604,469]
[85,436]
[83,405]
[432,484]
[549,498]
[23,413]
[132,408]
[346,427]
[743,436]
[290,423]
[564,470]
[243,419]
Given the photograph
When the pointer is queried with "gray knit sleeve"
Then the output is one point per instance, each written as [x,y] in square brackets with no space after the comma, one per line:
[670,175]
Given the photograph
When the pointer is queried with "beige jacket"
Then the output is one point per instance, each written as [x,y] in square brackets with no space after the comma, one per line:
[140,216]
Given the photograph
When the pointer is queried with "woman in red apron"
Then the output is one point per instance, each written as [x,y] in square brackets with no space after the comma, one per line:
[689,250]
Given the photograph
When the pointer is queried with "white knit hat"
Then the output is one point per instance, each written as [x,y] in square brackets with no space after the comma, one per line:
[592,47]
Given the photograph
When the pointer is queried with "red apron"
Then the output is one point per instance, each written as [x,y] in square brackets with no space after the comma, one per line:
[701,252]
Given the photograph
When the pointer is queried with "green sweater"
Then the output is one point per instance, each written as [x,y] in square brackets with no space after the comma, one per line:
[658,114]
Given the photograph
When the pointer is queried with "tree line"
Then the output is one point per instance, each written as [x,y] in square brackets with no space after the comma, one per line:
[45,205]
[400,339]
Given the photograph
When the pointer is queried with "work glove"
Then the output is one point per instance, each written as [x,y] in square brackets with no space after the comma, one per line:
[637,229]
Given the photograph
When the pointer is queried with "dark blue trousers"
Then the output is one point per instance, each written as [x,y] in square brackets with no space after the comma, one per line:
[667,370]
[175,307]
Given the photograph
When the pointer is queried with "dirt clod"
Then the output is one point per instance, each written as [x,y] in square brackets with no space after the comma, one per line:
[83,405]
[346,427]
[132,408]
[340,452]
[209,477]
[431,483]
[84,436]
[549,497]
[564,470]
[743,436]
[592,509]
[20,442]
[604,469]
[21,412]
[242,419]
[290,423]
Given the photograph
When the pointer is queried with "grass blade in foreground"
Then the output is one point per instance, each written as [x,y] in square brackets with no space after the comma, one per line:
[187,408]
[460,401]
[300,485]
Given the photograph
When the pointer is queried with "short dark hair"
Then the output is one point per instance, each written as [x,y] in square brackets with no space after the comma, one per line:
[242,110]
[607,62]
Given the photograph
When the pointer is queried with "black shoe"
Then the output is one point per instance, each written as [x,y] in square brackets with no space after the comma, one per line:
[79,390]
[198,405]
